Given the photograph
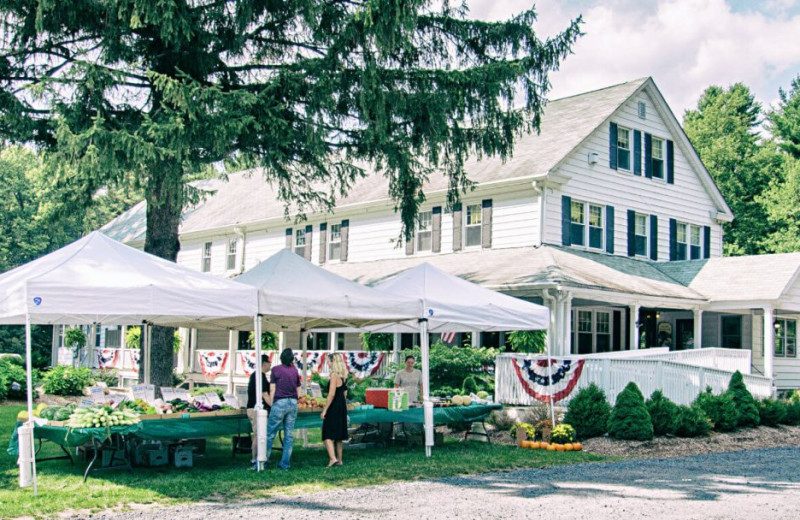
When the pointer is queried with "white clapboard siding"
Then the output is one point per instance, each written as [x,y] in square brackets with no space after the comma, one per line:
[685,201]
[374,237]
[515,219]
[263,244]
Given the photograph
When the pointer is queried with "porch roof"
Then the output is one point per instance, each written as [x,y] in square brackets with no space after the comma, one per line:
[737,278]
[535,268]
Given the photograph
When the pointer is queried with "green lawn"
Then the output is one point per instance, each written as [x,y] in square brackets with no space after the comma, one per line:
[218,476]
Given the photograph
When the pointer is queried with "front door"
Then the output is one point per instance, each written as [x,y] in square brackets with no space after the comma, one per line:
[684,334]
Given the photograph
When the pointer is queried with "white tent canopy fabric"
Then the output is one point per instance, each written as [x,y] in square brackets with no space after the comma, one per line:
[99,280]
[298,295]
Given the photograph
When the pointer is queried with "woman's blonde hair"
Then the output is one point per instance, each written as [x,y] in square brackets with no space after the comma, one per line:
[337,366]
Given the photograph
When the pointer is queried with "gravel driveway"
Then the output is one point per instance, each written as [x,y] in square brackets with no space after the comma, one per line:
[748,484]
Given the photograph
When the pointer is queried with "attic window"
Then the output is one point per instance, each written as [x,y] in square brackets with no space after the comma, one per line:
[642,110]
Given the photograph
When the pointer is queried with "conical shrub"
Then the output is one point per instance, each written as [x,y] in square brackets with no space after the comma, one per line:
[629,418]
[745,404]
[663,413]
[721,409]
[792,417]
[772,412]
[691,422]
[588,412]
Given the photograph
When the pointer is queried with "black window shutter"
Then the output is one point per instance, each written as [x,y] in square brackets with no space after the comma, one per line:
[436,229]
[289,236]
[566,207]
[323,242]
[345,238]
[612,147]
[307,249]
[610,229]
[631,233]
[486,223]
[673,239]
[648,156]
[457,230]
[637,152]
[653,237]
[706,242]
[670,162]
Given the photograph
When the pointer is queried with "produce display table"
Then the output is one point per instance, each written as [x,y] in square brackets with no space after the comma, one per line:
[452,414]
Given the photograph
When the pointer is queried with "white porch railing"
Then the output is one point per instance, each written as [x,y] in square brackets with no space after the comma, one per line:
[721,358]
[679,381]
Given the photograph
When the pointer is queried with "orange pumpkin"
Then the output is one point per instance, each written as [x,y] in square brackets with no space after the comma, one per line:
[525,444]
[559,447]
[568,447]
[550,447]
[577,446]
[535,445]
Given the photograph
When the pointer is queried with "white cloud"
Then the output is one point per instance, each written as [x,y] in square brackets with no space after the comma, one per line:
[686,45]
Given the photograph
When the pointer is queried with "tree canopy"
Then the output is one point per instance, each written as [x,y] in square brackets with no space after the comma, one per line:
[316,92]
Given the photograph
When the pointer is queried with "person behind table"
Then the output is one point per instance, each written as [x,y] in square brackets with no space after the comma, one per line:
[334,413]
[283,394]
[409,379]
[251,399]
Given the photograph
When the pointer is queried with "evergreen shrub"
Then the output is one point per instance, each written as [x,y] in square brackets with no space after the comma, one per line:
[691,422]
[721,409]
[663,413]
[771,412]
[629,418]
[588,412]
[792,417]
[745,403]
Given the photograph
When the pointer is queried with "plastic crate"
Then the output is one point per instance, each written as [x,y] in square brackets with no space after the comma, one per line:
[182,456]
[151,454]
[378,397]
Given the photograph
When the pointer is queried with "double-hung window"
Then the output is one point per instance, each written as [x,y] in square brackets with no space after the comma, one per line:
[786,338]
[335,242]
[681,241]
[657,159]
[230,263]
[641,235]
[300,242]
[205,264]
[423,233]
[472,226]
[695,246]
[623,148]
[586,224]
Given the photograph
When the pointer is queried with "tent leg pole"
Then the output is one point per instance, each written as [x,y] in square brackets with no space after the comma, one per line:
[29,370]
[427,405]
[260,432]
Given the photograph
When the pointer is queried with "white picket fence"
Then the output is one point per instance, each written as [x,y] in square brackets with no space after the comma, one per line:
[676,376]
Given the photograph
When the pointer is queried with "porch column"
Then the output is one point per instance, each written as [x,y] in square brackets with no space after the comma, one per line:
[566,325]
[123,357]
[769,341]
[396,343]
[232,345]
[698,328]
[334,339]
[475,336]
[192,349]
[633,337]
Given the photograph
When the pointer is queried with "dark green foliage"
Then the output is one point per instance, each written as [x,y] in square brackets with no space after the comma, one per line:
[445,391]
[792,417]
[317,93]
[527,340]
[204,389]
[721,409]
[772,412]
[109,377]
[377,341]
[470,385]
[663,413]
[629,418]
[12,341]
[63,380]
[692,422]
[323,383]
[449,366]
[14,379]
[747,407]
[588,412]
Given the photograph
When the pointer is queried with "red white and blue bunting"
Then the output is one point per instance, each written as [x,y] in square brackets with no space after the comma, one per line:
[363,364]
[134,354]
[539,384]
[314,361]
[247,360]
[212,362]
[107,358]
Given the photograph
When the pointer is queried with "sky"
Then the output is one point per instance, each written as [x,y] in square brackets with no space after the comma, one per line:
[685,45]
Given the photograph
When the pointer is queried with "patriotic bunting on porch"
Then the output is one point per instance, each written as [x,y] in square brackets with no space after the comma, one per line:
[107,358]
[248,362]
[134,359]
[314,360]
[363,364]
[535,377]
[212,362]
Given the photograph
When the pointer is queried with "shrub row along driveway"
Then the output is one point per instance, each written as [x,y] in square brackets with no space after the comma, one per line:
[747,484]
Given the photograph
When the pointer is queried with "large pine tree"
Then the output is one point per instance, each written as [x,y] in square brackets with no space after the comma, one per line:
[312,90]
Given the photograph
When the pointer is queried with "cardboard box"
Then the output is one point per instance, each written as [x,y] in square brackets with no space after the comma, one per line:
[378,397]
[398,400]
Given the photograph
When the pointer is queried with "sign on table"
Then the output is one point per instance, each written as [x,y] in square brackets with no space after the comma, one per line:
[97,394]
[202,399]
[213,398]
[146,393]
[231,400]
[85,402]
[167,393]
[241,396]
[182,394]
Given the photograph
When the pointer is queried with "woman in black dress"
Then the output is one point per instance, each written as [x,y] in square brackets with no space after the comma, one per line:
[334,414]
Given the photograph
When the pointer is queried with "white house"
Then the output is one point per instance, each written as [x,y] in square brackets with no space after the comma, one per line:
[607,216]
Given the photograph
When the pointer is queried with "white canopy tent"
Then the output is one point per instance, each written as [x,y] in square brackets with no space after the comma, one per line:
[452,304]
[296,295]
[99,280]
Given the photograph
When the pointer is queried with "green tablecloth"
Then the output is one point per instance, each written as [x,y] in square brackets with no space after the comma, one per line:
[196,427]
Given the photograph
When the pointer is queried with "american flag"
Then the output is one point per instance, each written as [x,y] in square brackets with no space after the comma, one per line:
[448,337]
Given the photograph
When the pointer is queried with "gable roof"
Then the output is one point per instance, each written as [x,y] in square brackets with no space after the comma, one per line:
[247,198]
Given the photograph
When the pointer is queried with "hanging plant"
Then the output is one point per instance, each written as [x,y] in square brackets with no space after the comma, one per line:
[75,337]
